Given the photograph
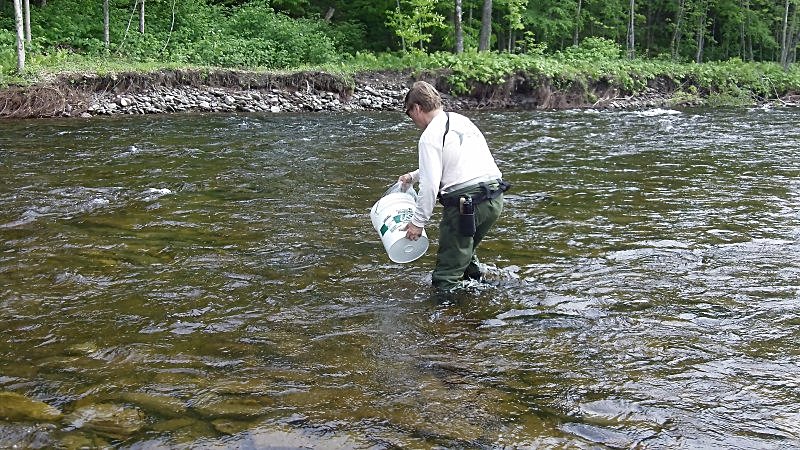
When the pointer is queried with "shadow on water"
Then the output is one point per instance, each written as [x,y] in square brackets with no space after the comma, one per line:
[214,281]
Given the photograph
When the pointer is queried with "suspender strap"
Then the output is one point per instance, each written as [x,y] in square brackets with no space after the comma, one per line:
[446,129]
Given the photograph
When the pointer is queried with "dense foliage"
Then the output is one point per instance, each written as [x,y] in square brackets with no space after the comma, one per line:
[718,29]
[560,39]
[248,35]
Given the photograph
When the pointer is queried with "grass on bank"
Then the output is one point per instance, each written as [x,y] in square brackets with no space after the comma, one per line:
[731,82]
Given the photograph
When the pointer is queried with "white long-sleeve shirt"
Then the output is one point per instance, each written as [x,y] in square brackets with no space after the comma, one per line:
[464,158]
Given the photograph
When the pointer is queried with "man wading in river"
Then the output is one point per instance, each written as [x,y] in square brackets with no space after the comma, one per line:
[456,166]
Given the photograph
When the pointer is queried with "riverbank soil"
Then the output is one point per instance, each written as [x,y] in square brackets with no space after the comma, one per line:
[168,91]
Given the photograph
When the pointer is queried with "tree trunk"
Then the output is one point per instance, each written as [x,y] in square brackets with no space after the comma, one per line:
[172,27]
[676,36]
[106,26]
[486,26]
[648,29]
[458,28]
[785,37]
[743,32]
[329,14]
[749,35]
[27,7]
[631,29]
[701,32]
[20,36]
[402,39]
[141,18]
[576,36]
[794,41]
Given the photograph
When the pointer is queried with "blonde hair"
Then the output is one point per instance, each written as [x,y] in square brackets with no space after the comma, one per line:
[425,95]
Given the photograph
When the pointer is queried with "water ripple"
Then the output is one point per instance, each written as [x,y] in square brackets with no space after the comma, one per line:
[219,275]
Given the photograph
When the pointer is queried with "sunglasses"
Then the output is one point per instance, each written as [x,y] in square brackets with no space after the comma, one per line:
[408,111]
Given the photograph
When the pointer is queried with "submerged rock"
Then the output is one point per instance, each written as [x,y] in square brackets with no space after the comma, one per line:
[228,426]
[172,425]
[216,406]
[17,435]
[114,421]
[17,407]
[159,404]
[80,441]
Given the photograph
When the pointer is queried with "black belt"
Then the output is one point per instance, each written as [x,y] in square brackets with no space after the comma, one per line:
[485,194]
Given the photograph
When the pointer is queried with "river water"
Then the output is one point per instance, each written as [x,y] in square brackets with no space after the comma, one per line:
[214,281]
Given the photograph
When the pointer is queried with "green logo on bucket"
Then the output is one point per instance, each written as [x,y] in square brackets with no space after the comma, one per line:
[403,216]
[384,229]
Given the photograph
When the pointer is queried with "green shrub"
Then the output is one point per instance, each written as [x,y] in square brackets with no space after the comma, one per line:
[8,53]
[233,52]
[593,49]
[348,37]
[295,41]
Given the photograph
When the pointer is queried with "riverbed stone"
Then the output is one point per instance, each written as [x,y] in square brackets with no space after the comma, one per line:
[162,405]
[215,406]
[17,407]
[106,419]
[171,425]
[27,435]
[228,426]
[76,441]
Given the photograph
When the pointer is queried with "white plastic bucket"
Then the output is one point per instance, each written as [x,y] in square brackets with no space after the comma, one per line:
[391,213]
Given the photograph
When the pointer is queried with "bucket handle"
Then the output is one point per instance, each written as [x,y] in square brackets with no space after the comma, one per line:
[395,187]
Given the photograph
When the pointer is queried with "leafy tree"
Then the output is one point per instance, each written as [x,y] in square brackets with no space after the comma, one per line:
[368,16]
[293,8]
[413,23]
[678,29]
[513,17]
[550,21]
[702,24]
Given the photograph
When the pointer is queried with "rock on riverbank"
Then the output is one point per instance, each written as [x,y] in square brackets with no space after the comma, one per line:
[177,91]
[381,91]
[372,92]
[214,99]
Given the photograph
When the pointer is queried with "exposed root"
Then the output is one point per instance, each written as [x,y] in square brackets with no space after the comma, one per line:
[39,101]
[131,83]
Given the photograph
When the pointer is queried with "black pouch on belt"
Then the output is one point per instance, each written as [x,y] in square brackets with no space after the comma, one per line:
[466,221]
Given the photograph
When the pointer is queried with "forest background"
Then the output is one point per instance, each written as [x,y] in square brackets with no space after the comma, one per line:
[740,49]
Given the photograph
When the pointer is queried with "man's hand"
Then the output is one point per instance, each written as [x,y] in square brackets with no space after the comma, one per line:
[413,232]
[405,181]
